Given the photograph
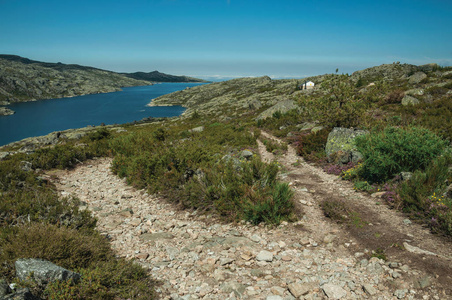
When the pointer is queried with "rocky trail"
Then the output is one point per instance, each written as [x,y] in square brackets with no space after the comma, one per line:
[195,257]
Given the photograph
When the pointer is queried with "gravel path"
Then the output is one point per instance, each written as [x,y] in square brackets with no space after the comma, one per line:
[196,257]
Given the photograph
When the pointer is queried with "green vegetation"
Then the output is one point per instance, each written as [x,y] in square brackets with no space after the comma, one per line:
[35,223]
[396,150]
[204,171]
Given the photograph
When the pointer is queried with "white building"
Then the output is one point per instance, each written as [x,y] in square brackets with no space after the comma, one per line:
[307,85]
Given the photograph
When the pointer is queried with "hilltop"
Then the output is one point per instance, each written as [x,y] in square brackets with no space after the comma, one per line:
[22,79]
[157,76]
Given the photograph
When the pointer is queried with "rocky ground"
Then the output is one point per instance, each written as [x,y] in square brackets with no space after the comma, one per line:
[196,257]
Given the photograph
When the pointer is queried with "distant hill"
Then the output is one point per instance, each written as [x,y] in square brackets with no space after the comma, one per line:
[22,79]
[156,76]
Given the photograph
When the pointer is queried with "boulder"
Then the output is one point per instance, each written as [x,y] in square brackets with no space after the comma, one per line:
[417,77]
[197,129]
[340,144]
[43,271]
[428,67]
[415,92]
[21,294]
[333,291]
[246,154]
[4,288]
[282,107]
[254,104]
[409,100]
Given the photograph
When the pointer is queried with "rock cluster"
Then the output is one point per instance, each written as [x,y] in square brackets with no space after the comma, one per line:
[196,257]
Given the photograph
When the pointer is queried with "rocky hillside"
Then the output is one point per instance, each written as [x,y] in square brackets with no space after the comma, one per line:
[22,79]
[156,76]
[415,84]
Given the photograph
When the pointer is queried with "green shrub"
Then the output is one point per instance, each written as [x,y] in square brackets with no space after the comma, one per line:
[307,144]
[395,150]
[103,275]
[274,209]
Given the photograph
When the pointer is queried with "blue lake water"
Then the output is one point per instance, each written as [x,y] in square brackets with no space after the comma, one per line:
[45,116]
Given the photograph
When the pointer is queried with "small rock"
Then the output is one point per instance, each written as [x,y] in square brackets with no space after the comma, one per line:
[226,261]
[400,293]
[274,297]
[369,289]
[298,289]
[334,291]
[407,222]
[265,256]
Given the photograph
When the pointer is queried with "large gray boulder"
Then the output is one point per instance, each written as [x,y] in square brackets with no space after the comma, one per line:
[341,144]
[409,100]
[417,77]
[43,271]
[21,294]
[282,107]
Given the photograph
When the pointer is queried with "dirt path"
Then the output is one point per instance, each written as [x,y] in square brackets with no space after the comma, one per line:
[388,229]
[195,257]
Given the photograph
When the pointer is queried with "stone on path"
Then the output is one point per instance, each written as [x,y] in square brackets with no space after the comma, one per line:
[333,291]
[265,256]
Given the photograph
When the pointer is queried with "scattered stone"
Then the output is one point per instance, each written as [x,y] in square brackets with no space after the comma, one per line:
[226,261]
[369,289]
[197,129]
[416,250]
[246,154]
[298,289]
[265,256]
[334,291]
[417,77]
[407,222]
[400,294]
[156,236]
[409,100]
[274,297]
[341,140]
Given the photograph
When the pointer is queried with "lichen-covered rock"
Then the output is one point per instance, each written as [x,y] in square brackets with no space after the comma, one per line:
[415,92]
[409,100]
[4,288]
[21,294]
[282,107]
[43,271]
[342,140]
[417,77]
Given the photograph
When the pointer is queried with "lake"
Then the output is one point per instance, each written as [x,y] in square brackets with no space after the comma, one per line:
[45,116]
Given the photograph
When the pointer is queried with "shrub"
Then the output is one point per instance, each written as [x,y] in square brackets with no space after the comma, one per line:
[395,150]
[274,209]
[308,144]
[394,97]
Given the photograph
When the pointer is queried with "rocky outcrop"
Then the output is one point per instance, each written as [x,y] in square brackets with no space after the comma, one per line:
[43,271]
[40,272]
[417,77]
[281,107]
[340,145]
[6,111]
[409,100]
[239,95]
[387,72]
[22,79]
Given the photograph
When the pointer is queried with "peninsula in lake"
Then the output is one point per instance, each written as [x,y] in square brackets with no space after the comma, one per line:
[22,79]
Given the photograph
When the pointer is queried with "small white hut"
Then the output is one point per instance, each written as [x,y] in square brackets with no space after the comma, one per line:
[307,85]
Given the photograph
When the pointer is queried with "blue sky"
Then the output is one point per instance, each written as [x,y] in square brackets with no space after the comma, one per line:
[231,38]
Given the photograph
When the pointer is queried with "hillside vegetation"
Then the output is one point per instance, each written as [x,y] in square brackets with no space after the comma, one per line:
[207,161]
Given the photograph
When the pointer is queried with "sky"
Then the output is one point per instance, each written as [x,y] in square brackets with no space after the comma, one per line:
[229,38]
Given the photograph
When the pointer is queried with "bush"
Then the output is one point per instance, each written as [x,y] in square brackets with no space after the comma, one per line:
[394,97]
[395,150]
[274,209]
[418,195]
[309,144]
